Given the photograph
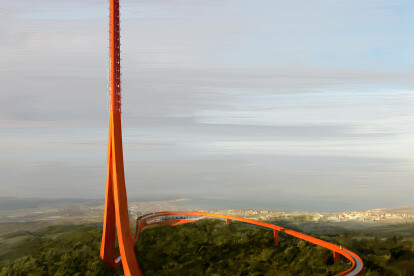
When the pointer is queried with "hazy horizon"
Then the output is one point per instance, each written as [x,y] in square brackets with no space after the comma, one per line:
[244,103]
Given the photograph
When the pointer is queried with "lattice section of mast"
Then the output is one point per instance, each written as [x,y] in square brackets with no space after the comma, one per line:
[114,58]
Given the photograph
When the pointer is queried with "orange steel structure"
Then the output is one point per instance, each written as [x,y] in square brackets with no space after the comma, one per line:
[171,219]
[116,204]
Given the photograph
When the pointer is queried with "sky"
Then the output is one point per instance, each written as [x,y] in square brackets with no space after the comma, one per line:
[302,105]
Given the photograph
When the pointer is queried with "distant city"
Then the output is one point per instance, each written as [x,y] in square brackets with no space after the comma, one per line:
[42,213]
[405,214]
[381,214]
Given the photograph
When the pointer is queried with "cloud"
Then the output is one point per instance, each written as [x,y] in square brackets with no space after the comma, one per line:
[265,98]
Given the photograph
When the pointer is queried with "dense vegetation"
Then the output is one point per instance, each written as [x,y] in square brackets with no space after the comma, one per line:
[207,247]
[212,248]
[66,250]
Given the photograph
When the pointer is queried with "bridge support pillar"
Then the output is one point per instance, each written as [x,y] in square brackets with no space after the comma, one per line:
[227,221]
[276,236]
[337,257]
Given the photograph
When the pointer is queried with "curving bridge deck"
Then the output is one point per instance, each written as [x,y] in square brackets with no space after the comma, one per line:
[180,217]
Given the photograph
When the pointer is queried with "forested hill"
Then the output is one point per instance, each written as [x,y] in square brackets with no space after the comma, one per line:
[207,247]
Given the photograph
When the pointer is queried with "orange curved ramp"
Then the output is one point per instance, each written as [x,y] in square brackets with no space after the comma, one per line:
[151,219]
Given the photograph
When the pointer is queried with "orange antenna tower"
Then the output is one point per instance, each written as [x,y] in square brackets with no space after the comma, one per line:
[116,204]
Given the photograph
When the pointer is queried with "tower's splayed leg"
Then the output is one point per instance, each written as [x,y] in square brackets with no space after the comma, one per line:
[116,204]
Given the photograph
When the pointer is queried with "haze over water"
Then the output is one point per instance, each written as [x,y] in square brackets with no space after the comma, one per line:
[238,104]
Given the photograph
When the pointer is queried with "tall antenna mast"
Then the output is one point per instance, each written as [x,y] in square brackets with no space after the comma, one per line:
[116,203]
[114,57]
